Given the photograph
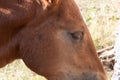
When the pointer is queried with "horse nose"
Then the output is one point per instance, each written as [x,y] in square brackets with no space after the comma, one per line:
[90,76]
[81,76]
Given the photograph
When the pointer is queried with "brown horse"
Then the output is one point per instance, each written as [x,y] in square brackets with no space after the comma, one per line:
[51,38]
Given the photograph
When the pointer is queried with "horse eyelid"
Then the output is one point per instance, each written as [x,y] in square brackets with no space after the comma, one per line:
[78,35]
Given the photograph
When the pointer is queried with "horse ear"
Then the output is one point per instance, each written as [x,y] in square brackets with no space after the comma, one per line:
[47,3]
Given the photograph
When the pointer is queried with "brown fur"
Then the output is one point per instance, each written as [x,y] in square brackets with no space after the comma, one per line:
[51,38]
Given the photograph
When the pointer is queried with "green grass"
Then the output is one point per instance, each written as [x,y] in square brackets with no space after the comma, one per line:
[101,17]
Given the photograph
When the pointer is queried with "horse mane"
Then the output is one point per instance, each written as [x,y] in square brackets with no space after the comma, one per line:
[46,3]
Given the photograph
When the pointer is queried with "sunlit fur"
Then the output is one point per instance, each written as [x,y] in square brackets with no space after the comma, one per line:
[51,38]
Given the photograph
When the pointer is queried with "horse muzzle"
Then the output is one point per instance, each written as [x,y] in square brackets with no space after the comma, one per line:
[82,76]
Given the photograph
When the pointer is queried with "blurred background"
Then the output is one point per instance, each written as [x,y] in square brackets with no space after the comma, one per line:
[101,17]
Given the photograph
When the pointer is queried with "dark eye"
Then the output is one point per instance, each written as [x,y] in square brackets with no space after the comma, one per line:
[78,35]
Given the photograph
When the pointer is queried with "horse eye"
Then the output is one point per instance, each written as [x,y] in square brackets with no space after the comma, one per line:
[78,35]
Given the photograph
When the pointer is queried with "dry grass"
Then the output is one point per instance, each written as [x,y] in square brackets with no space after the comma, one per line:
[101,17]
[18,71]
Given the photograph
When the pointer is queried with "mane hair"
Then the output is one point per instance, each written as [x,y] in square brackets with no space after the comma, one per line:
[46,3]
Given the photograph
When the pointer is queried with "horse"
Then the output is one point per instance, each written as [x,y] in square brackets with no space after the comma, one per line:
[51,37]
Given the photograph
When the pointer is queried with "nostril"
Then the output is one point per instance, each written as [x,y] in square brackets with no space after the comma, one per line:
[87,76]
[92,76]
